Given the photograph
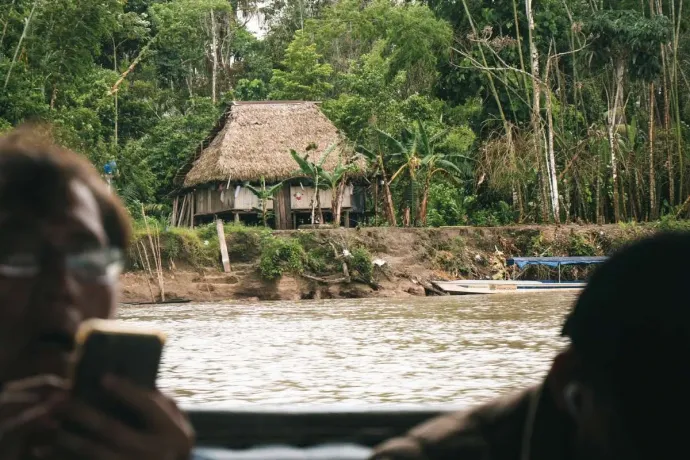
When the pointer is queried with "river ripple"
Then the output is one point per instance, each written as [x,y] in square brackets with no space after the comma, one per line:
[456,351]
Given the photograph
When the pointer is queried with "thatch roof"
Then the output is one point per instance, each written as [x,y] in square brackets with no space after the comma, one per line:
[254,139]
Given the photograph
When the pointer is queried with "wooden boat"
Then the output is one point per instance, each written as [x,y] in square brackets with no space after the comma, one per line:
[471,287]
[292,435]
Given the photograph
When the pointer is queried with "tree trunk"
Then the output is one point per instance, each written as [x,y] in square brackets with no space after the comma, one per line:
[597,199]
[652,177]
[116,102]
[264,212]
[423,205]
[667,130]
[537,131]
[214,57]
[387,195]
[337,202]
[674,89]
[553,177]
[318,206]
[613,124]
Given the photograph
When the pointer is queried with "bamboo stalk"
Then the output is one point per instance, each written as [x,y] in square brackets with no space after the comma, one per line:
[652,177]
[143,265]
[27,22]
[7,22]
[156,256]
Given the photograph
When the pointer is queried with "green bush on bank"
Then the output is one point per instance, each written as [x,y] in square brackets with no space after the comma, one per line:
[361,265]
[279,256]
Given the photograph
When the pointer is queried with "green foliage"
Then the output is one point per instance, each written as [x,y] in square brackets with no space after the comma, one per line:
[580,245]
[631,37]
[361,265]
[670,223]
[245,243]
[448,205]
[279,256]
[140,82]
[304,77]
[251,90]
[181,246]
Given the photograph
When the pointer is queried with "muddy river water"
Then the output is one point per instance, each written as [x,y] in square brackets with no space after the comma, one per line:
[429,351]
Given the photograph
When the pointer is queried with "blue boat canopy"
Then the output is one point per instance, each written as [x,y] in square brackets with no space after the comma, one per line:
[554,262]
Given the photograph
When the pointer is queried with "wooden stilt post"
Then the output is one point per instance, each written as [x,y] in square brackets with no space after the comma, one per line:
[223,246]
[347,219]
[237,218]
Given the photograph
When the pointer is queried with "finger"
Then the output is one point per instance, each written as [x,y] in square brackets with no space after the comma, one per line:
[106,428]
[37,381]
[7,398]
[155,407]
[41,412]
[80,447]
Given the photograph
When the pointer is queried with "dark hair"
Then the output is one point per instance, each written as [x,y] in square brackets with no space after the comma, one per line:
[631,327]
[35,174]
[639,297]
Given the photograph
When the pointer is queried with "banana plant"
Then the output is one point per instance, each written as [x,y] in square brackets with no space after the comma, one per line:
[314,172]
[336,181]
[264,195]
[420,161]
[375,159]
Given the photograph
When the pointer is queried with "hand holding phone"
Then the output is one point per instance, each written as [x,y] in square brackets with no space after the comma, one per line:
[110,348]
[115,411]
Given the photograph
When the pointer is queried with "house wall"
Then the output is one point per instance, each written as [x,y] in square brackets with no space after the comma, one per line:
[214,201]
[300,198]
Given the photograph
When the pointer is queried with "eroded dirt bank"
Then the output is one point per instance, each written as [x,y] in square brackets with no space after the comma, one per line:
[412,258]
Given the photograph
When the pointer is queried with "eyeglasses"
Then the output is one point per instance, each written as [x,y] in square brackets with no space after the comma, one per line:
[102,266]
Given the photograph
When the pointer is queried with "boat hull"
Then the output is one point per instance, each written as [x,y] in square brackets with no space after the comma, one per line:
[487,287]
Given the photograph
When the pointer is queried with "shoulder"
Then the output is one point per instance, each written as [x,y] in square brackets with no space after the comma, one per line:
[493,431]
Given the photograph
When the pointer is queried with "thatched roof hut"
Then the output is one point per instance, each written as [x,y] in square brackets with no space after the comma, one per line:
[254,139]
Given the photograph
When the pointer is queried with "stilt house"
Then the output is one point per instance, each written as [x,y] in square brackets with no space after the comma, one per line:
[253,140]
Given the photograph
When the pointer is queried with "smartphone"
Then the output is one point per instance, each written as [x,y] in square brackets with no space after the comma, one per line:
[110,347]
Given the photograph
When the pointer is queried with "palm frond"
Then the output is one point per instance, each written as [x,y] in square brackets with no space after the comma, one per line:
[274,189]
[304,164]
[326,154]
[399,145]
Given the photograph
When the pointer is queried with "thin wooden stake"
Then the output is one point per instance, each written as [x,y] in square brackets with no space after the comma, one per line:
[223,246]
[143,266]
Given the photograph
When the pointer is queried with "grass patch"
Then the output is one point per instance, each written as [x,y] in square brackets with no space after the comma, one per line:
[181,246]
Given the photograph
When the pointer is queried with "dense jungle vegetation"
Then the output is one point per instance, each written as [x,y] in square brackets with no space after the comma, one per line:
[469,111]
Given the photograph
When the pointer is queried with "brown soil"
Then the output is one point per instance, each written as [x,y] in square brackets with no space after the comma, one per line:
[412,256]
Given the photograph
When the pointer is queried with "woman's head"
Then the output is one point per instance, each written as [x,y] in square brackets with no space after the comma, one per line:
[62,236]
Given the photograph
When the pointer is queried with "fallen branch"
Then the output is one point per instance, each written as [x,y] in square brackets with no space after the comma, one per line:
[431,288]
[343,280]
[683,207]
[131,67]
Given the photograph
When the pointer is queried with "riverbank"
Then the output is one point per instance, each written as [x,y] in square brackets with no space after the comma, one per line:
[381,262]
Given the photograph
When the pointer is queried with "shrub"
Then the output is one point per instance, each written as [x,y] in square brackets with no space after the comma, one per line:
[579,245]
[320,257]
[244,243]
[279,256]
[361,265]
